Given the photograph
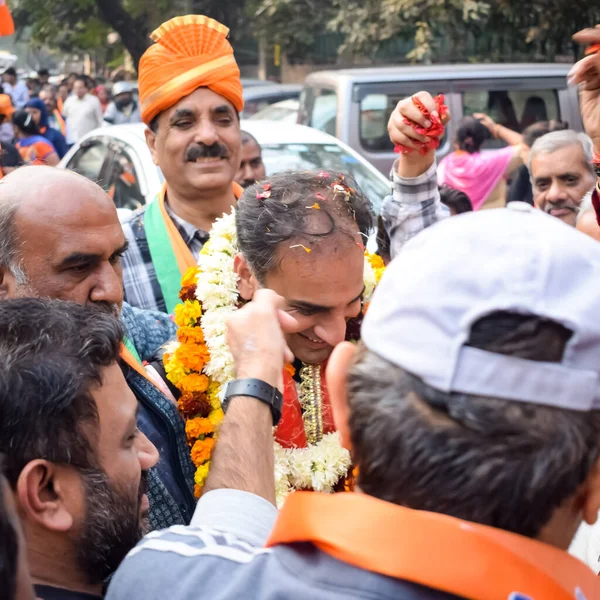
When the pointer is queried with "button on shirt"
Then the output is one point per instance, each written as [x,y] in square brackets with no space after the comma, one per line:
[140,283]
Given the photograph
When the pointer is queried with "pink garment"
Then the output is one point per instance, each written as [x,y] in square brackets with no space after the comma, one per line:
[475,174]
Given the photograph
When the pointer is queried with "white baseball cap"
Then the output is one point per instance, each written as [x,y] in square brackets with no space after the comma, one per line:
[516,259]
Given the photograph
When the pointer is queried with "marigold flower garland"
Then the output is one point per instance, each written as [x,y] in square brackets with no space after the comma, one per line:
[199,364]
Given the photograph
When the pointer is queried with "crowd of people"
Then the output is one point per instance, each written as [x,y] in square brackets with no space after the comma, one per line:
[229,396]
[61,115]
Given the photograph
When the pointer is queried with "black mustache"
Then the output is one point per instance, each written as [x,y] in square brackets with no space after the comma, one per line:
[196,151]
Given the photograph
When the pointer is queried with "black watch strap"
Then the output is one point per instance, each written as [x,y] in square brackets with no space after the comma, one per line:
[255,388]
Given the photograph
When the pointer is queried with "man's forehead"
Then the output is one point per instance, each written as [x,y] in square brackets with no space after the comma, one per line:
[81,224]
[564,159]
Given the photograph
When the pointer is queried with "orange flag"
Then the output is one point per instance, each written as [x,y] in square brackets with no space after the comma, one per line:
[7,26]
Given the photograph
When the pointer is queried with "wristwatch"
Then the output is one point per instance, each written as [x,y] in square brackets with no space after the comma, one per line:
[255,388]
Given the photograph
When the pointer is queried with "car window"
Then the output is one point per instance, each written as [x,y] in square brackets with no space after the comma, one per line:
[89,160]
[375,111]
[124,187]
[275,112]
[254,105]
[319,109]
[327,157]
[515,109]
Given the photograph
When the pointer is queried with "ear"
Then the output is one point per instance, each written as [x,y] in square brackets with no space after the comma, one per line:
[591,500]
[42,489]
[8,285]
[151,142]
[247,283]
[338,366]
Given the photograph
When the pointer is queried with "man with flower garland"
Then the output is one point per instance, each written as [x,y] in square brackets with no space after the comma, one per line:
[302,235]
[190,98]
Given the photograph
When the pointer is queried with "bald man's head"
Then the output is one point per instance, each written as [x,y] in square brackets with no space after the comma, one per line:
[60,237]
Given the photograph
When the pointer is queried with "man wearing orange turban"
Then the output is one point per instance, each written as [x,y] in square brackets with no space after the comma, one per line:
[190,97]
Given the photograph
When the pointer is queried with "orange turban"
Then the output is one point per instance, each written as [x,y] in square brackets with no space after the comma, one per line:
[190,52]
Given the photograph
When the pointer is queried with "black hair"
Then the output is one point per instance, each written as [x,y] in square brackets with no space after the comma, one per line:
[43,72]
[383,241]
[277,211]
[83,78]
[11,71]
[24,122]
[52,356]
[455,199]
[537,130]
[153,125]
[248,137]
[497,462]
[471,135]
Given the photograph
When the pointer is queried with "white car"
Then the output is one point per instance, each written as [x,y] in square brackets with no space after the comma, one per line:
[285,111]
[118,159]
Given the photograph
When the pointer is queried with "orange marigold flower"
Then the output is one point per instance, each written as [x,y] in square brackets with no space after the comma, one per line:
[194,404]
[188,313]
[193,357]
[190,335]
[194,383]
[197,491]
[194,428]
[190,277]
[290,369]
[201,451]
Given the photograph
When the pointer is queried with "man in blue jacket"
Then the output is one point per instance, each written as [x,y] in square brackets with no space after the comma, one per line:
[60,238]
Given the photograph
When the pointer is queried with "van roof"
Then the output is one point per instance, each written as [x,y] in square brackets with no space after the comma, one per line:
[433,72]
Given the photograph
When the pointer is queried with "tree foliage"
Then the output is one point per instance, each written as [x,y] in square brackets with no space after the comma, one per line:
[293,24]
[439,29]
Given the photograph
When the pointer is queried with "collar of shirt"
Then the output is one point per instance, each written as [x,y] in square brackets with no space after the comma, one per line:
[479,561]
[188,232]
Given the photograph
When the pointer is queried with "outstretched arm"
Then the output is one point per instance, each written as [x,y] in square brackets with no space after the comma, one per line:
[415,201]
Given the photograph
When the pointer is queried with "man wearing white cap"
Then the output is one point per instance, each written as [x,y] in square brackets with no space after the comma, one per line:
[472,411]
[124,107]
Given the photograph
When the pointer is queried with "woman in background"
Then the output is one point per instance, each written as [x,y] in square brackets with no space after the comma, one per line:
[480,174]
[39,112]
[34,148]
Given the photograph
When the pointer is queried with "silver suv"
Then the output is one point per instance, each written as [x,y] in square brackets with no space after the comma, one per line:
[354,105]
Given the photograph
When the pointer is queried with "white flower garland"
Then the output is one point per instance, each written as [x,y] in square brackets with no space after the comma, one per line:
[318,467]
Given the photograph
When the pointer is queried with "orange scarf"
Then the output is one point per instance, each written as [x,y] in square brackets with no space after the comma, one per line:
[170,255]
[478,562]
